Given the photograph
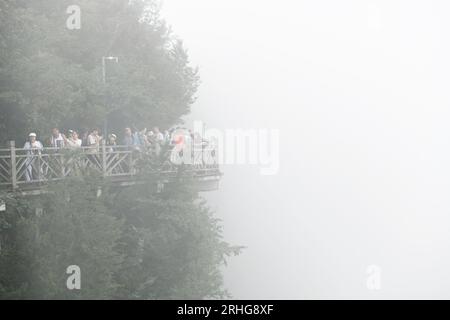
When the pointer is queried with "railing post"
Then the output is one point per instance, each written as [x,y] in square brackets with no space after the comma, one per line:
[13,165]
[131,163]
[62,159]
[104,163]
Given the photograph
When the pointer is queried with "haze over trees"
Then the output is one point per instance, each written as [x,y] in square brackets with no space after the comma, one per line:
[52,76]
[130,243]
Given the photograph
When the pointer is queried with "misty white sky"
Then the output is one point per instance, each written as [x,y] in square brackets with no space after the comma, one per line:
[359,92]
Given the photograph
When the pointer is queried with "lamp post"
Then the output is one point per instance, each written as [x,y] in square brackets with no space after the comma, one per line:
[116,59]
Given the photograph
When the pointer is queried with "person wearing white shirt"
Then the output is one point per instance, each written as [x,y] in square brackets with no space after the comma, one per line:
[158,136]
[34,148]
[56,140]
[72,142]
[93,141]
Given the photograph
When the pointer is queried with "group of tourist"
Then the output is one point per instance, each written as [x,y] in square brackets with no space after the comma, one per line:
[136,140]
[139,140]
[72,139]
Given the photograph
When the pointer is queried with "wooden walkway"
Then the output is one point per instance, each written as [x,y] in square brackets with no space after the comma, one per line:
[27,171]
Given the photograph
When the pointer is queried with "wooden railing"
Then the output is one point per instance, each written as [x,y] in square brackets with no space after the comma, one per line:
[31,168]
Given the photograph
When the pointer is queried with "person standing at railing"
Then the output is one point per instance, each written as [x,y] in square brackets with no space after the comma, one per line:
[166,137]
[72,141]
[128,137]
[139,139]
[34,148]
[93,141]
[158,140]
[148,139]
[133,140]
[111,143]
[159,137]
[84,133]
[57,139]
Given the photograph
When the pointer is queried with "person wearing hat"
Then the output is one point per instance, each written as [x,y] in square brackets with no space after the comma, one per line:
[33,147]
[112,139]
[112,142]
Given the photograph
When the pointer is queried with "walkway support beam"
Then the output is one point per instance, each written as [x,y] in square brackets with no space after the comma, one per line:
[104,162]
[13,165]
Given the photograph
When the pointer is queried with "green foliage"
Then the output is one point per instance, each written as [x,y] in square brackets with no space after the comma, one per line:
[74,228]
[130,243]
[52,76]
[181,245]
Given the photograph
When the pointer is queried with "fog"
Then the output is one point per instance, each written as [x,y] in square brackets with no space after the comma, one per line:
[359,93]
